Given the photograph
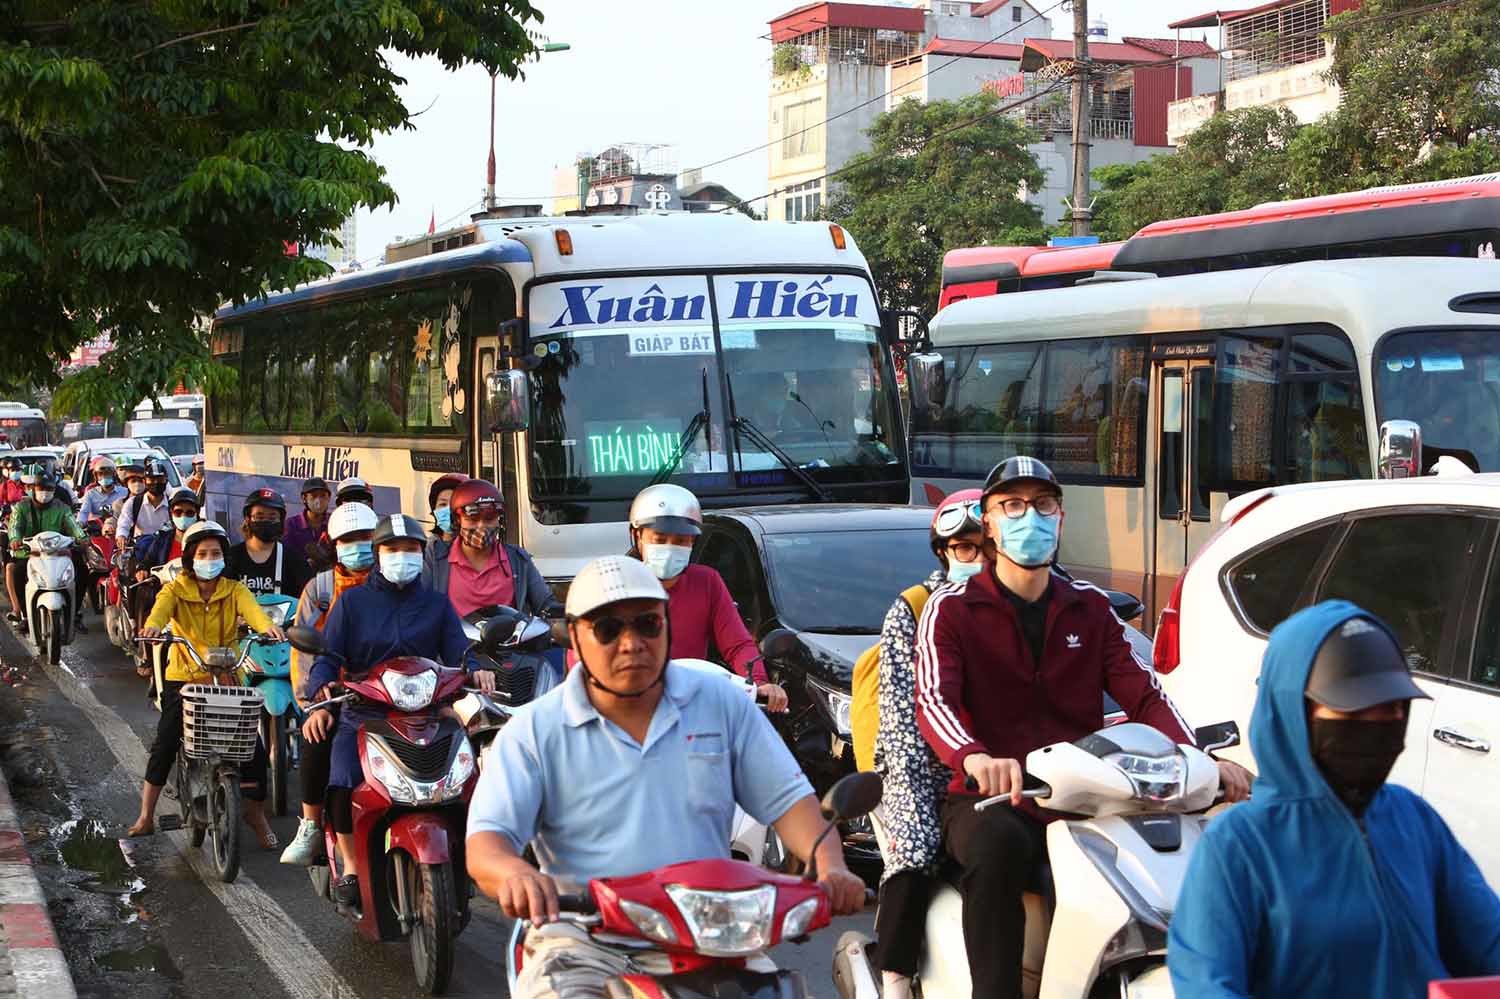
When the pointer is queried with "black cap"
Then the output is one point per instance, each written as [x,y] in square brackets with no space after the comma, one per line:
[1019,469]
[1358,666]
[313,484]
[267,497]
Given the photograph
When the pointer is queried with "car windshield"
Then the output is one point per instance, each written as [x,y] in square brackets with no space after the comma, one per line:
[174,445]
[1448,382]
[844,581]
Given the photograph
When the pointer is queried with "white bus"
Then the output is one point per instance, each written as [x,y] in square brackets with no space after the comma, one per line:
[181,405]
[23,426]
[745,360]
[1155,400]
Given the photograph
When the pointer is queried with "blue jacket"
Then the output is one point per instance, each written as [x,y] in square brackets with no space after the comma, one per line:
[154,549]
[379,620]
[1289,895]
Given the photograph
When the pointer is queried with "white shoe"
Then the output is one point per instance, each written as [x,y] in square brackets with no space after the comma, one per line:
[303,849]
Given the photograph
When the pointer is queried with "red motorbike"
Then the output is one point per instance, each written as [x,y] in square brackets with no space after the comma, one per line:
[99,559]
[712,919]
[410,810]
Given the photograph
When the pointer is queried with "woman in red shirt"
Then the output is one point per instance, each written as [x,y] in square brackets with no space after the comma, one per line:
[664,522]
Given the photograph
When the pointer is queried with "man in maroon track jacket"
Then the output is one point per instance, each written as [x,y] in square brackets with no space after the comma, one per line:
[1015,659]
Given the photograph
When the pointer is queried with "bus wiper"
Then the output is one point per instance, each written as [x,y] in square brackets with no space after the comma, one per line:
[698,423]
[743,424]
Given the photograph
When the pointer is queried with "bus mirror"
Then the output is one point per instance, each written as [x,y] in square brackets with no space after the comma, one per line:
[906,330]
[1400,450]
[928,379]
[507,404]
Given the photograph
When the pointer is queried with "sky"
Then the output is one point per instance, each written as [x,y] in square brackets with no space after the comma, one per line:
[693,75]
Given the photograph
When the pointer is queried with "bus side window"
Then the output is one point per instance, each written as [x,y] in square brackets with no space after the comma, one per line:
[1246,376]
[1324,426]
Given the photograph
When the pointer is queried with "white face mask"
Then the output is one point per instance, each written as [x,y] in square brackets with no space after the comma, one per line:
[959,572]
[400,568]
[666,561]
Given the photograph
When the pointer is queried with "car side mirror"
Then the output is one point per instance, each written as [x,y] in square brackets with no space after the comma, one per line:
[305,639]
[778,643]
[507,400]
[1215,737]
[1127,606]
[854,795]
[1400,450]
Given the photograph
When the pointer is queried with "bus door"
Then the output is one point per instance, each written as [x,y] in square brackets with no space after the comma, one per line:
[486,352]
[1182,422]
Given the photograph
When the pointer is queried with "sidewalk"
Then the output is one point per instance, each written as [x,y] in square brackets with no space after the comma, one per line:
[32,965]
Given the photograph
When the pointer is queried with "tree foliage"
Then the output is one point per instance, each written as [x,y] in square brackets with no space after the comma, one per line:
[156,158]
[1420,101]
[937,175]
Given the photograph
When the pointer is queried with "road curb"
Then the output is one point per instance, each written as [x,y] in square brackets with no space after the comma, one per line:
[39,969]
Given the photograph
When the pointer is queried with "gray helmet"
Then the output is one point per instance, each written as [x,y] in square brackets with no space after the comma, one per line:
[667,508]
[1358,666]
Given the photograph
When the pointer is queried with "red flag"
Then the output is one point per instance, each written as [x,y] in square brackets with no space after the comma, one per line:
[432,223]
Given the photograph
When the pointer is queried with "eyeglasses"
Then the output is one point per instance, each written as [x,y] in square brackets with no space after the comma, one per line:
[609,628]
[953,518]
[965,551]
[1015,508]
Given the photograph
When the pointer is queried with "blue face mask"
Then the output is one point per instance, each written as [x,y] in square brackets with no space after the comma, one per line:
[400,568]
[106,482]
[183,523]
[666,561]
[1030,540]
[356,556]
[443,517]
[15,476]
[962,572]
[208,568]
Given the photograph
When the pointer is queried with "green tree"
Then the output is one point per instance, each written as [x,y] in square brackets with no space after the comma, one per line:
[938,175]
[156,158]
[1235,160]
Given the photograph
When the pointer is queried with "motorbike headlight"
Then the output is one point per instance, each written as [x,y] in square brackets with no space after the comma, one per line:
[651,923]
[727,923]
[410,693]
[384,769]
[280,614]
[463,766]
[836,704]
[1156,778]
[798,918]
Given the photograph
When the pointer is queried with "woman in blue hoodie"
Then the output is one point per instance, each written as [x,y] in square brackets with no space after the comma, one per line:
[1330,882]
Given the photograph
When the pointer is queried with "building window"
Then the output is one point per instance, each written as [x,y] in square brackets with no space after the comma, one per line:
[1015,15]
[802,129]
[803,201]
[951,9]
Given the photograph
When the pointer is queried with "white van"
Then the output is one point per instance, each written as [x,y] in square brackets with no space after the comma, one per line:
[179,438]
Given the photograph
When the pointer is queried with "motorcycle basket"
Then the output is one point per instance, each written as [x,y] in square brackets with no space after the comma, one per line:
[221,722]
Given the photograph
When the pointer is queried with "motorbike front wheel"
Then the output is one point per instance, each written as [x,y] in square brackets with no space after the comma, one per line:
[224,825]
[432,936]
[49,636]
[280,762]
[96,597]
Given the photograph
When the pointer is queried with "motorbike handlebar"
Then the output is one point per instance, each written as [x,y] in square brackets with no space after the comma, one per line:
[577,903]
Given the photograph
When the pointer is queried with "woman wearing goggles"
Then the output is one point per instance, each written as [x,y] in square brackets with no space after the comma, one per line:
[479,569]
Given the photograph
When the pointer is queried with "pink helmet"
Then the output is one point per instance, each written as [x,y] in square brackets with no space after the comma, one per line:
[958,513]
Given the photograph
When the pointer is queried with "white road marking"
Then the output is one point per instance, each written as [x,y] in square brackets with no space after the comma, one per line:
[301,969]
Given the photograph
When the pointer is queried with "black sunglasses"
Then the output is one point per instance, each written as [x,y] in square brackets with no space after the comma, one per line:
[609,628]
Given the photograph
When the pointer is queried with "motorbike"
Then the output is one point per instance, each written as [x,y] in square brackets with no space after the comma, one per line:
[220,724]
[50,593]
[409,811]
[98,555]
[711,919]
[513,646]
[270,671]
[156,655]
[1096,925]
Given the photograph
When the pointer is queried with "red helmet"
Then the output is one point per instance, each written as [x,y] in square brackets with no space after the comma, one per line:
[958,513]
[450,481]
[468,497]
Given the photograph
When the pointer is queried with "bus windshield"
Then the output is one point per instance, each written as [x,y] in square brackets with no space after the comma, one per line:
[1448,382]
[631,371]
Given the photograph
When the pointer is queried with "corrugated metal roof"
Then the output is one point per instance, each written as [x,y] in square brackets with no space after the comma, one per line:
[1189,48]
[1040,51]
[813,16]
[976,50]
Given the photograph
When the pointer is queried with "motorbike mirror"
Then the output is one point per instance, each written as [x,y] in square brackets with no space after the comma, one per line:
[305,639]
[560,633]
[495,630]
[1213,737]
[854,795]
[1127,606]
[778,643]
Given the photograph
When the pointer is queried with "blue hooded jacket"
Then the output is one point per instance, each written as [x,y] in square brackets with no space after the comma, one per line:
[1286,895]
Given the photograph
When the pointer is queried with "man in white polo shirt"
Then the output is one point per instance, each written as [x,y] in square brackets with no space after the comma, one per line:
[628,766]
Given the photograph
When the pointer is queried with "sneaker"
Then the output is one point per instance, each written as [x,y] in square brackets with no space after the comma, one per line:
[303,849]
[346,891]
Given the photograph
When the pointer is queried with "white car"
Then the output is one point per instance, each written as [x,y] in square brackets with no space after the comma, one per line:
[1420,554]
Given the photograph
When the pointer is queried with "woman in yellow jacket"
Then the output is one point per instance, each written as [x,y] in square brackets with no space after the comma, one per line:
[205,609]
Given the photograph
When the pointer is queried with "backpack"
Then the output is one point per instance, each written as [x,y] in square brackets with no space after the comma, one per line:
[864,712]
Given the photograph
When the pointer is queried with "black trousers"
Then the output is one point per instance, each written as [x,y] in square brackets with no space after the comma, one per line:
[316,761]
[999,850]
[169,739]
[901,922]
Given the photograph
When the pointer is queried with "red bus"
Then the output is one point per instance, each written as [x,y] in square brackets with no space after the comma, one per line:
[1445,218]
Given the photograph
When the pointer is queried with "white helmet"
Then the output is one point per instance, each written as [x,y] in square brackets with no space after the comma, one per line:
[667,508]
[349,519]
[609,580]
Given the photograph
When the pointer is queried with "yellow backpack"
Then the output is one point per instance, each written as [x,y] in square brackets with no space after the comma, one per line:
[864,712]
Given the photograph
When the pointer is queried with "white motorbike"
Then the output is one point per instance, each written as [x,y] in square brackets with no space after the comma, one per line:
[1100,927]
[50,593]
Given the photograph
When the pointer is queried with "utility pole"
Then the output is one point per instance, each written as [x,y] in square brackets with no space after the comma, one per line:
[1080,106]
[490,201]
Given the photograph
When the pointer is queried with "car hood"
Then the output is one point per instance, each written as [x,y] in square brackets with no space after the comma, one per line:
[832,657]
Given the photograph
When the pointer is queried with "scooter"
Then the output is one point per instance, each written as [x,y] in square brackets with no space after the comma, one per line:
[512,645]
[707,922]
[156,654]
[49,593]
[1098,925]
[98,555]
[270,672]
[410,810]
[219,729]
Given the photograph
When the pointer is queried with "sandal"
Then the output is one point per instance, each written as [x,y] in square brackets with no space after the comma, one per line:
[143,672]
[136,830]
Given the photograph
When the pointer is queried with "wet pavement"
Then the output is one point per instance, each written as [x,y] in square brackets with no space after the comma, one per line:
[144,918]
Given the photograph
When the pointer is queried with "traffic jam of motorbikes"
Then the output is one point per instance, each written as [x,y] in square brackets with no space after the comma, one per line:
[734,665]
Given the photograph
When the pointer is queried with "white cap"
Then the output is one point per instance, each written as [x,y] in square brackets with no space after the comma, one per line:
[609,580]
[349,519]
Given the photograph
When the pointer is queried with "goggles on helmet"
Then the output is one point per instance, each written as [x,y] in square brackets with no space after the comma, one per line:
[956,518]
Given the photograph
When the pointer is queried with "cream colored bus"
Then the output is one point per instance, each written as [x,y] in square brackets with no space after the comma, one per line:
[1155,400]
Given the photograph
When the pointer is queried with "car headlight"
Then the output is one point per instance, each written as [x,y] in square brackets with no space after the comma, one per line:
[1156,778]
[410,692]
[798,918]
[651,923]
[836,704]
[727,923]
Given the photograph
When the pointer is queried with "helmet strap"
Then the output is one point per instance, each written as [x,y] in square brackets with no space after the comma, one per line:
[661,678]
